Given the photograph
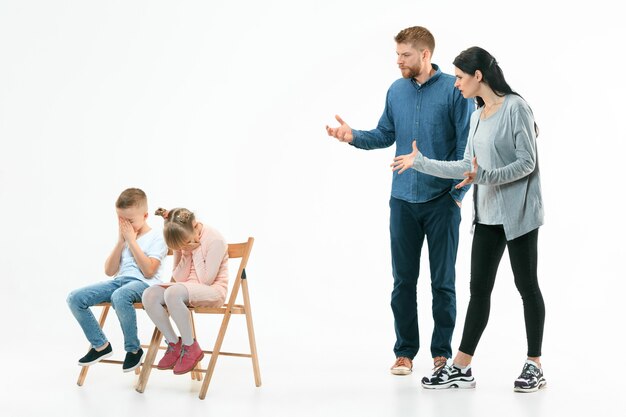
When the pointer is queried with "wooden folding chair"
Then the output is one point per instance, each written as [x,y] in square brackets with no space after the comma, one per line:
[237,250]
[103,316]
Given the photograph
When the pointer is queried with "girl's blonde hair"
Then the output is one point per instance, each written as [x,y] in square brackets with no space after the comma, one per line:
[178,226]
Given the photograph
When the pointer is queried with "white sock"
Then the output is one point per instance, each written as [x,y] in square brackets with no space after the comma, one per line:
[463,369]
[533,363]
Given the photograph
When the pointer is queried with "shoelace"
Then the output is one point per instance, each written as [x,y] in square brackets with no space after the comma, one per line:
[445,369]
[183,351]
[529,371]
[402,362]
[439,373]
[440,363]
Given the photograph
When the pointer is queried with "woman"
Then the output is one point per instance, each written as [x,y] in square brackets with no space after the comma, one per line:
[501,160]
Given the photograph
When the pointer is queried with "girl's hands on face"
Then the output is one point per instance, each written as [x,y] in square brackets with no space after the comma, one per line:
[194,239]
[194,242]
[191,246]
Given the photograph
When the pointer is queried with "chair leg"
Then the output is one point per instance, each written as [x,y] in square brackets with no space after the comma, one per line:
[195,374]
[251,337]
[155,342]
[83,371]
[216,352]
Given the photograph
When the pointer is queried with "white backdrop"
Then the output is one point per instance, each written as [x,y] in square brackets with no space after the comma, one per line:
[221,106]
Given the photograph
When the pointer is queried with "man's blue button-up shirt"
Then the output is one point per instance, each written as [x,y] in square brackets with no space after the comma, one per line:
[436,115]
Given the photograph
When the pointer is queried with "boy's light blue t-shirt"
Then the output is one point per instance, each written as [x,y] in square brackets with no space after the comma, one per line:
[153,245]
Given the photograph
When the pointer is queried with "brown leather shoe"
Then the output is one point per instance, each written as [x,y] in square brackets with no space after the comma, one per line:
[438,362]
[402,366]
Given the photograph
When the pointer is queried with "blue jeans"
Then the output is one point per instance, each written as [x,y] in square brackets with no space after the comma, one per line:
[438,220]
[121,292]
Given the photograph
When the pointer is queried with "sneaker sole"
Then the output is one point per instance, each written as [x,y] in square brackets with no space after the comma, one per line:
[452,384]
[139,362]
[539,386]
[192,368]
[106,355]
[401,371]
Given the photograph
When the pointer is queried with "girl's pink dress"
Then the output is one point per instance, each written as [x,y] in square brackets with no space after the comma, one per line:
[204,271]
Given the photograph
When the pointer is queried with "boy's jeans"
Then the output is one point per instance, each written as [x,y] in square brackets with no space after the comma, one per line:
[121,292]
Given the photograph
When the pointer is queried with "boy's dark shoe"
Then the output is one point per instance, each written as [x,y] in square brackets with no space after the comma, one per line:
[132,360]
[93,356]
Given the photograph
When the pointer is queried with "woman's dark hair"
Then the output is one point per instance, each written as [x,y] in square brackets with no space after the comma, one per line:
[477,59]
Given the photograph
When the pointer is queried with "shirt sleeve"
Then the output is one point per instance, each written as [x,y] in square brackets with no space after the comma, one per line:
[157,248]
[182,266]
[208,258]
[463,110]
[443,169]
[382,137]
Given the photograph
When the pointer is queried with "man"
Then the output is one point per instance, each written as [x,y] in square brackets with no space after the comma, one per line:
[423,106]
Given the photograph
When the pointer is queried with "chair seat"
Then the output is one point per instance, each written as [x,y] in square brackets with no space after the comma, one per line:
[138,306]
[236,309]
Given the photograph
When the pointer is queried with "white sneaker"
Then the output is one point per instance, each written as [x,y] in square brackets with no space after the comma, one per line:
[531,378]
[449,376]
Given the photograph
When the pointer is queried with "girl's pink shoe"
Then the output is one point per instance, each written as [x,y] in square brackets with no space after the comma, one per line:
[171,355]
[189,358]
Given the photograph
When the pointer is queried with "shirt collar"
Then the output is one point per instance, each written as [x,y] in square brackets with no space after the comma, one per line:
[431,80]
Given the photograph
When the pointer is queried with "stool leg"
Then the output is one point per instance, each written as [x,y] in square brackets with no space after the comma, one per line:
[194,373]
[155,342]
[216,352]
[83,372]
[251,337]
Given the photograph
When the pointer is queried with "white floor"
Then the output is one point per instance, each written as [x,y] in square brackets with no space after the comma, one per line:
[325,350]
[306,387]
[305,373]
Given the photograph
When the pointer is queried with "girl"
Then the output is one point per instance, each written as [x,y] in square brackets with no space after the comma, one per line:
[201,279]
[501,159]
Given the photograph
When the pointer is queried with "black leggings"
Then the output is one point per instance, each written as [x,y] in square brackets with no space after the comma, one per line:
[487,249]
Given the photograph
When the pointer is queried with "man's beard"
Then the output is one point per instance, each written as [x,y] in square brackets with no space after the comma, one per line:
[408,72]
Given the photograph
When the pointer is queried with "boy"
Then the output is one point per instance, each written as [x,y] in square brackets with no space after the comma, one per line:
[135,263]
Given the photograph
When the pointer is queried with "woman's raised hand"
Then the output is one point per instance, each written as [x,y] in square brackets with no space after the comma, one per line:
[404,162]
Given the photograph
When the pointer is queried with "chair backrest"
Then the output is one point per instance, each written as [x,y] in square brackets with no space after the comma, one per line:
[239,250]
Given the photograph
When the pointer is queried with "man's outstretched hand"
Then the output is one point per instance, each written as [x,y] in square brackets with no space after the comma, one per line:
[343,132]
